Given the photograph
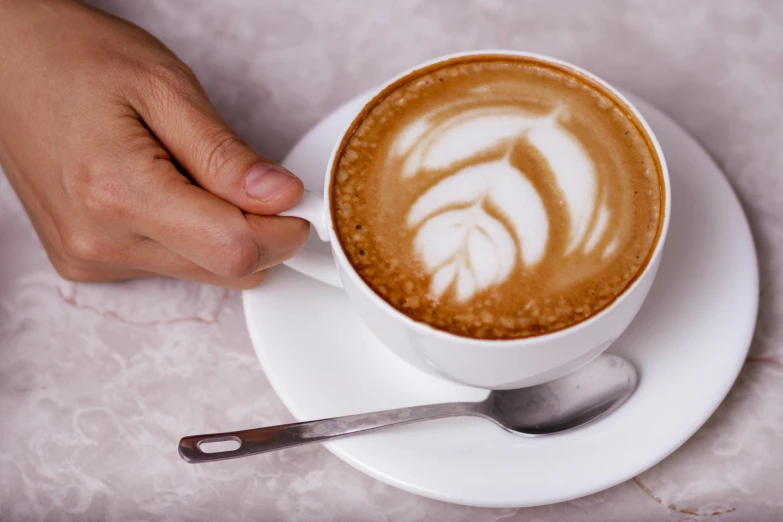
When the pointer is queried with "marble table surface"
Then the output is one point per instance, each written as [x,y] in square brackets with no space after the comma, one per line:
[98,382]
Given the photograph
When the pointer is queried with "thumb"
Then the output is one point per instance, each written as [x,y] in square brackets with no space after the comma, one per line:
[181,116]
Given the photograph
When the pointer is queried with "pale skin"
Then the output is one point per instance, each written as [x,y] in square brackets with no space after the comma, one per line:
[123,165]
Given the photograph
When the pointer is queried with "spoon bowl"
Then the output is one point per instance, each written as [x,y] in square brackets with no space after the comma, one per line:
[567,403]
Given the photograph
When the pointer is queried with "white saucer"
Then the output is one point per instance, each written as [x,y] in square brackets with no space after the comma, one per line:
[689,342]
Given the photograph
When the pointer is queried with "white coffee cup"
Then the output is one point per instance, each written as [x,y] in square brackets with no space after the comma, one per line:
[494,364]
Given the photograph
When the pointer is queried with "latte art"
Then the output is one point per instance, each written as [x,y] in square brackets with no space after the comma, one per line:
[497,199]
[457,240]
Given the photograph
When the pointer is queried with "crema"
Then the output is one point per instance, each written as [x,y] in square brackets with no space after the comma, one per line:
[497,197]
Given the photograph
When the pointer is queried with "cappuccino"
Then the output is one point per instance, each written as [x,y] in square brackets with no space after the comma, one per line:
[497,197]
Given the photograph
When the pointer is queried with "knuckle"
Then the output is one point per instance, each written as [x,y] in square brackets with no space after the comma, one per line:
[83,246]
[105,198]
[72,273]
[171,77]
[219,149]
[239,257]
[99,192]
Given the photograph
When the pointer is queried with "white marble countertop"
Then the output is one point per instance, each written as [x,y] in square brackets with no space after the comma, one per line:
[98,382]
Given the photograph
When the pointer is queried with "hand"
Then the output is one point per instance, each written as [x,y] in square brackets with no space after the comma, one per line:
[122,163]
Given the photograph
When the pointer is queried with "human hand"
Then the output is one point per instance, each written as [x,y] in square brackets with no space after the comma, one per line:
[98,123]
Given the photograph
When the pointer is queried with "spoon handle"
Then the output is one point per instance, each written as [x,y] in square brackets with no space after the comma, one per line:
[271,438]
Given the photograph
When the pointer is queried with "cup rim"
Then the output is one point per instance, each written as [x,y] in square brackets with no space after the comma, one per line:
[425,328]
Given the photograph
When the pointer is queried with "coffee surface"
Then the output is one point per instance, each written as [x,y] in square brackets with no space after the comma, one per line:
[497,198]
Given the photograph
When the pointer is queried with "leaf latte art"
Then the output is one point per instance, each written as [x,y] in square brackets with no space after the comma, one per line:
[497,199]
[458,241]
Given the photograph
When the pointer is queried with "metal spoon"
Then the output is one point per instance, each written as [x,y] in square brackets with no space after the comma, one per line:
[569,402]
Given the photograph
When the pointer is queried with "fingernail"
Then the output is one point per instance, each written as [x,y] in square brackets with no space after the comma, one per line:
[266,182]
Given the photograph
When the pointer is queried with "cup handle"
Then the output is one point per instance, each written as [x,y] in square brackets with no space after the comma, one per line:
[316,264]
[311,208]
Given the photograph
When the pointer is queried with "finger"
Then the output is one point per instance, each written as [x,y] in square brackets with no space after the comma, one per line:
[212,233]
[154,258]
[154,261]
[92,275]
[181,116]
[143,260]
[71,270]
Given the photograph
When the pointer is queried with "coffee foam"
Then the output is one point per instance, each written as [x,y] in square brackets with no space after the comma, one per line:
[492,189]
